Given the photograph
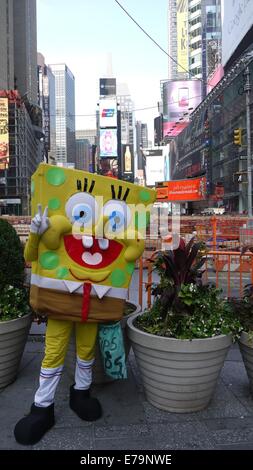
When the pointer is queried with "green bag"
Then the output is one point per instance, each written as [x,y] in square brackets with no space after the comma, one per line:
[112,350]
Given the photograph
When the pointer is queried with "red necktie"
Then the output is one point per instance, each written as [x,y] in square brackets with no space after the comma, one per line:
[86,300]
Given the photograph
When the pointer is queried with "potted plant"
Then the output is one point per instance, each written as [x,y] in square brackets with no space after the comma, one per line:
[181,342]
[244,311]
[15,312]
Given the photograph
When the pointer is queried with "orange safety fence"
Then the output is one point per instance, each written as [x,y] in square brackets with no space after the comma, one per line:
[232,283]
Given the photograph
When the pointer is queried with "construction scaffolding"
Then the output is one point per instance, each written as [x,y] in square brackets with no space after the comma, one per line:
[25,153]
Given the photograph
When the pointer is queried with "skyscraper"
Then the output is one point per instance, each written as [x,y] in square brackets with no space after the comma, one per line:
[46,100]
[25,48]
[127,115]
[194,38]
[18,47]
[18,89]
[6,45]
[65,113]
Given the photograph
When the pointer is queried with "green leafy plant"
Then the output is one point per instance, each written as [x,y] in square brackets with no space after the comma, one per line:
[11,256]
[14,303]
[243,309]
[14,298]
[183,307]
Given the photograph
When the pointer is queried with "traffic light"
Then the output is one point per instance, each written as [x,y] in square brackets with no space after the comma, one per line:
[238,136]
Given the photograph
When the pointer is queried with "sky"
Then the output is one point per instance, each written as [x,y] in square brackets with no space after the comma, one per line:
[89,35]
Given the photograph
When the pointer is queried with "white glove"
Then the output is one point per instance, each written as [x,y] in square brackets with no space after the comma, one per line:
[40,223]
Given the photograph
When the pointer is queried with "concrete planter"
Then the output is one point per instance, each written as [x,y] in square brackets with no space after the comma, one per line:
[13,336]
[246,348]
[99,376]
[178,375]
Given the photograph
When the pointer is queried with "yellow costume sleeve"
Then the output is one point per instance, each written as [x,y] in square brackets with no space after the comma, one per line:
[31,248]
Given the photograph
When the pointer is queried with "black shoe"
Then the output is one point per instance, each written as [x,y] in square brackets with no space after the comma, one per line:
[32,428]
[86,407]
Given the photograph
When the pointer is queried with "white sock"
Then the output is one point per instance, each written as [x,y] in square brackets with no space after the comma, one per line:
[83,374]
[49,379]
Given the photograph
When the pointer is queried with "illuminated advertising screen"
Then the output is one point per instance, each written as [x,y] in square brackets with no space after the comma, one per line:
[183,190]
[108,113]
[108,143]
[180,98]
[107,86]
[182,35]
[4,133]
[237,19]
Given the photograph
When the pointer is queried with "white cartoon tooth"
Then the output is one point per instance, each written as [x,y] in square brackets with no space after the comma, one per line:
[103,243]
[92,260]
[87,241]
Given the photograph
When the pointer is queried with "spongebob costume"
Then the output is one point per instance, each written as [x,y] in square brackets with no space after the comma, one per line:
[85,238]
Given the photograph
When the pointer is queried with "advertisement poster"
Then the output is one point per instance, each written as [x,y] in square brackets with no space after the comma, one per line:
[184,190]
[237,19]
[108,143]
[182,35]
[180,98]
[108,113]
[4,133]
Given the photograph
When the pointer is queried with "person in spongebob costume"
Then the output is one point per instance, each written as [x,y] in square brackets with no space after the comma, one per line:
[83,244]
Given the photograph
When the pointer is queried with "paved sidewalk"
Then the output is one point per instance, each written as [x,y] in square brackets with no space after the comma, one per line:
[129,422]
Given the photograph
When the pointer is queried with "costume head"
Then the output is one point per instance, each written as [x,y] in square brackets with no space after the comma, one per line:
[95,237]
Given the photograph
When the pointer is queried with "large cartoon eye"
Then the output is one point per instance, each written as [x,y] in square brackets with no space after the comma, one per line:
[81,208]
[119,216]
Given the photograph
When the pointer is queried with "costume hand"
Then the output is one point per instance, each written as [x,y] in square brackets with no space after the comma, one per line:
[40,223]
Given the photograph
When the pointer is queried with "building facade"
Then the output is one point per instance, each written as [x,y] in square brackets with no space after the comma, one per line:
[25,48]
[6,45]
[46,100]
[207,147]
[141,141]
[194,39]
[87,134]
[18,90]
[65,114]
[83,155]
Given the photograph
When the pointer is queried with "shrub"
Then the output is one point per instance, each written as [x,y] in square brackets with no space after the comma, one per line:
[183,308]
[11,257]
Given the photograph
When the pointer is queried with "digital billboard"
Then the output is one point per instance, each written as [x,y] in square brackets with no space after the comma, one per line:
[107,86]
[128,159]
[182,35]
[180,98]
[157,166]
[237,19]
[108,143]
[4,133]
[108,113]
[183,190]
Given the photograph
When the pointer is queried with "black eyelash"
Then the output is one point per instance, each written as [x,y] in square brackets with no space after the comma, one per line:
[113,192]
[85,185]
[126,194]
[92,186]
[119,193]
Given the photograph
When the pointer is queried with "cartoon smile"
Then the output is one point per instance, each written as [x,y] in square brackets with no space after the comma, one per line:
[92,253]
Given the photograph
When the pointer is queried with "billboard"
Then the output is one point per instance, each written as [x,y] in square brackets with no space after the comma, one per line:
[128,159]
[157,166]
[108,143]
[237,19]
[213,80]
[108,113]
[107,86]
[180,98]
[182,35]
[4,133]
[183,190]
